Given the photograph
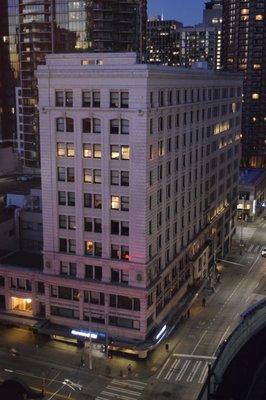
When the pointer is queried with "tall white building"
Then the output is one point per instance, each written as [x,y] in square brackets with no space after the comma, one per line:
[139,179]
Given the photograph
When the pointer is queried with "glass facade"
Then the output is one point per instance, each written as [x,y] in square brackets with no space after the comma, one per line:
[39,27]
[243,50]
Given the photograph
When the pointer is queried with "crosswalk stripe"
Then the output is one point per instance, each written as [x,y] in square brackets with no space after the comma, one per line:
[101,398]
[203,374]
[183,370]
[257,248]
[118,389]
[118,396]
[138,382]
[171,370]
[194,371]
[128,383]
[250,247]
[163,368]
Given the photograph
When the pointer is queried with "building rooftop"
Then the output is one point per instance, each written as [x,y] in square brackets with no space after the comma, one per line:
[251,176]
[24,260]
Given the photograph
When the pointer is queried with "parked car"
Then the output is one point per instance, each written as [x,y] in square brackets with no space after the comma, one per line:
[263,252]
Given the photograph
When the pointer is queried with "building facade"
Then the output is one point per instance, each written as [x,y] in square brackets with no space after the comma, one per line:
[139,183]
[163,42]
[171,43]
[7,103]
[37,28]
[244,44]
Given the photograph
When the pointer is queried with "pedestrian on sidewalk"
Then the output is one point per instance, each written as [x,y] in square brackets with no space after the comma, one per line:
[203,302]
[188,313]
[167,347]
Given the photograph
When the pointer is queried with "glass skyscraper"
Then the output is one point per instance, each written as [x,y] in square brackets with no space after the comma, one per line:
[243,50]
[39,27]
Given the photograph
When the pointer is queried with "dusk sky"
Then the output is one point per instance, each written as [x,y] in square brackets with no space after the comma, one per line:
[187,11]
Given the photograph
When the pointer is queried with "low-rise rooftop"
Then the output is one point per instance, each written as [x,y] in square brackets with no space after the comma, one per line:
[23,259]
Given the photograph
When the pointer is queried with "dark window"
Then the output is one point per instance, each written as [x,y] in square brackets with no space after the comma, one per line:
[69,98]
[62,198]
[115,227]
[96,99]
[87,200]
[69,125]
[59,98]
[62,244]
[86,125]
[71,198]
[86,98]
[124,178]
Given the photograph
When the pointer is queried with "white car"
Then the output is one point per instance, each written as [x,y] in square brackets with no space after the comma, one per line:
[263,252]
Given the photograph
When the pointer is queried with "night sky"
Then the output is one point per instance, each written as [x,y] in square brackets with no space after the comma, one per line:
[189,12]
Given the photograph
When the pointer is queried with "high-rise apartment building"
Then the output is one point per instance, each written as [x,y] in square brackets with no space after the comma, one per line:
[40,27]
[244,46]
[169,43]
[7,103]
[139,180]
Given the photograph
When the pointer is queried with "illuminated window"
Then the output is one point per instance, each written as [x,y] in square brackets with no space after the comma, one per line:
[61,152]
[244,11]
[255,96]
[89,247]
[115,153]
[125,152]
[87,153]
[19,304]
[257,66]
[259,17]
[87,175]
[115,202]
[70,150]
[97,153]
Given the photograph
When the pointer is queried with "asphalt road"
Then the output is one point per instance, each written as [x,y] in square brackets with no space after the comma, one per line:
[177,374]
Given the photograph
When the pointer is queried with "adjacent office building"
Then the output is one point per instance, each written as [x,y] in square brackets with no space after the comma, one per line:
[139,192]
[37,28]
[170,43]
[244,44]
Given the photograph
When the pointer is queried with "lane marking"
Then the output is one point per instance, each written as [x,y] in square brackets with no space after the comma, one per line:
[197,345]
[194,371]
[183,370]
[194,356]
[52,380]
[203,374]
[254,263]
[164,366]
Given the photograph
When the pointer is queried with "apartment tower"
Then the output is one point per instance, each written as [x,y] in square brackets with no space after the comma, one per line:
[244,46]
